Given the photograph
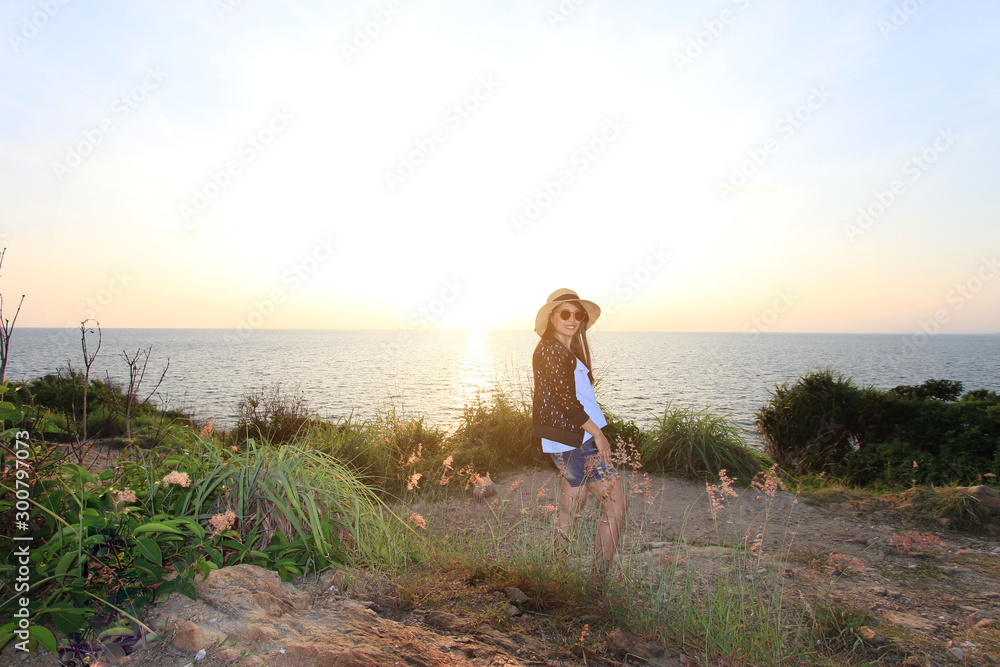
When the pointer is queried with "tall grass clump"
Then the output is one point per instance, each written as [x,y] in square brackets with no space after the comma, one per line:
[495,434]
[384,452]
[698,443]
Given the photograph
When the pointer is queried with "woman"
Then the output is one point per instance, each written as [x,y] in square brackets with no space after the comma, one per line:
[567,418]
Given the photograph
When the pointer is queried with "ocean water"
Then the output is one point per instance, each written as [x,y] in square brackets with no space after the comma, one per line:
[433,374]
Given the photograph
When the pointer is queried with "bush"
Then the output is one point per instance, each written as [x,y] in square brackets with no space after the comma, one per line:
[267,414]
[495,435]
[904,436]
[698,443]
[813,424]
[927,440]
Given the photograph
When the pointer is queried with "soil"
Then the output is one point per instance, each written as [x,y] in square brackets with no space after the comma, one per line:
[925,594]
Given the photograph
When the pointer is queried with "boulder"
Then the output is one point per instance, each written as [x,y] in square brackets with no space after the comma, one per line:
[246,610]
[484,489]
[988,497]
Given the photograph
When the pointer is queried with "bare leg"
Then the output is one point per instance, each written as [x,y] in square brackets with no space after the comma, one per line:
[612,495]
[571,501]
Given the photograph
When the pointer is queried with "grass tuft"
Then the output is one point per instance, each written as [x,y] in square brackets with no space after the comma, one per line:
[698,443]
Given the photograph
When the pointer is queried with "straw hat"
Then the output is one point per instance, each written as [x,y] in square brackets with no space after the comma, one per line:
[561,296]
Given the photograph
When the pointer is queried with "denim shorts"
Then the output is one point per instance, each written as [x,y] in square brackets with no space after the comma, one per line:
[582,465]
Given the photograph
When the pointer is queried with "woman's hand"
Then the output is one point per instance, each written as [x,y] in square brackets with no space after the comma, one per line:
[603,447]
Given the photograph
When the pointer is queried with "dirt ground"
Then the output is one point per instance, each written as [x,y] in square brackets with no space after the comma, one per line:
[930,594]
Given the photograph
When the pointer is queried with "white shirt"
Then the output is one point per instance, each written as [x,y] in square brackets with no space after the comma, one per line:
[584,394]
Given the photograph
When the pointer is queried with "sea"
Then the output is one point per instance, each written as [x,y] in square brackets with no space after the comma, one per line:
[434,374]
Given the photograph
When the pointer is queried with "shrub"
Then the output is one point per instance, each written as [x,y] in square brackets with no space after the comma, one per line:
[268,415]
[813,424]
[494,435]
[943,390]
[904,436]
[927,440]
[620,430]
[698,443]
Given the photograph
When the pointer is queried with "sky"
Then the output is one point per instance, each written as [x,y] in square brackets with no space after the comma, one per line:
[732,165]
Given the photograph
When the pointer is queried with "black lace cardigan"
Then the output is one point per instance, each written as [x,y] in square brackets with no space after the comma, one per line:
[556,413]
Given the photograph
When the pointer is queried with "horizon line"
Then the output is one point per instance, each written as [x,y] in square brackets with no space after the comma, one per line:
[466,329]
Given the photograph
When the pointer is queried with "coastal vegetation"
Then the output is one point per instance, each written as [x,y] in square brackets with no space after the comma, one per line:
[128,514]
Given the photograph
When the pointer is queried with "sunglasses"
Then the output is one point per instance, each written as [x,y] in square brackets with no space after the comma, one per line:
[578,315]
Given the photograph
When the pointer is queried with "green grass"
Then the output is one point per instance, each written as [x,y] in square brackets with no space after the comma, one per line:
[698,443]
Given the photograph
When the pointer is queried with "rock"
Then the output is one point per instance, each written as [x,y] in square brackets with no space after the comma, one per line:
[953,571]
[484,489]
[511,610]
[978,615]
[988,497]
[192,638]
[516,595]
[228,654]
[985,623]
[267,623]
[621,643]
[956,653]
[443,620]
[870,636]
[911,621]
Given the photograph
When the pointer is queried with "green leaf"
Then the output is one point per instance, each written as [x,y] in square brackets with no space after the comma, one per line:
[44,637]
[156,527]
[70,620]
[185,587]
[150,550]
[117,632]
[65,562]
[193,525]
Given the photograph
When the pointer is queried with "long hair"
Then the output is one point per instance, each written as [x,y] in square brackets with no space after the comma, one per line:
[578,346]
